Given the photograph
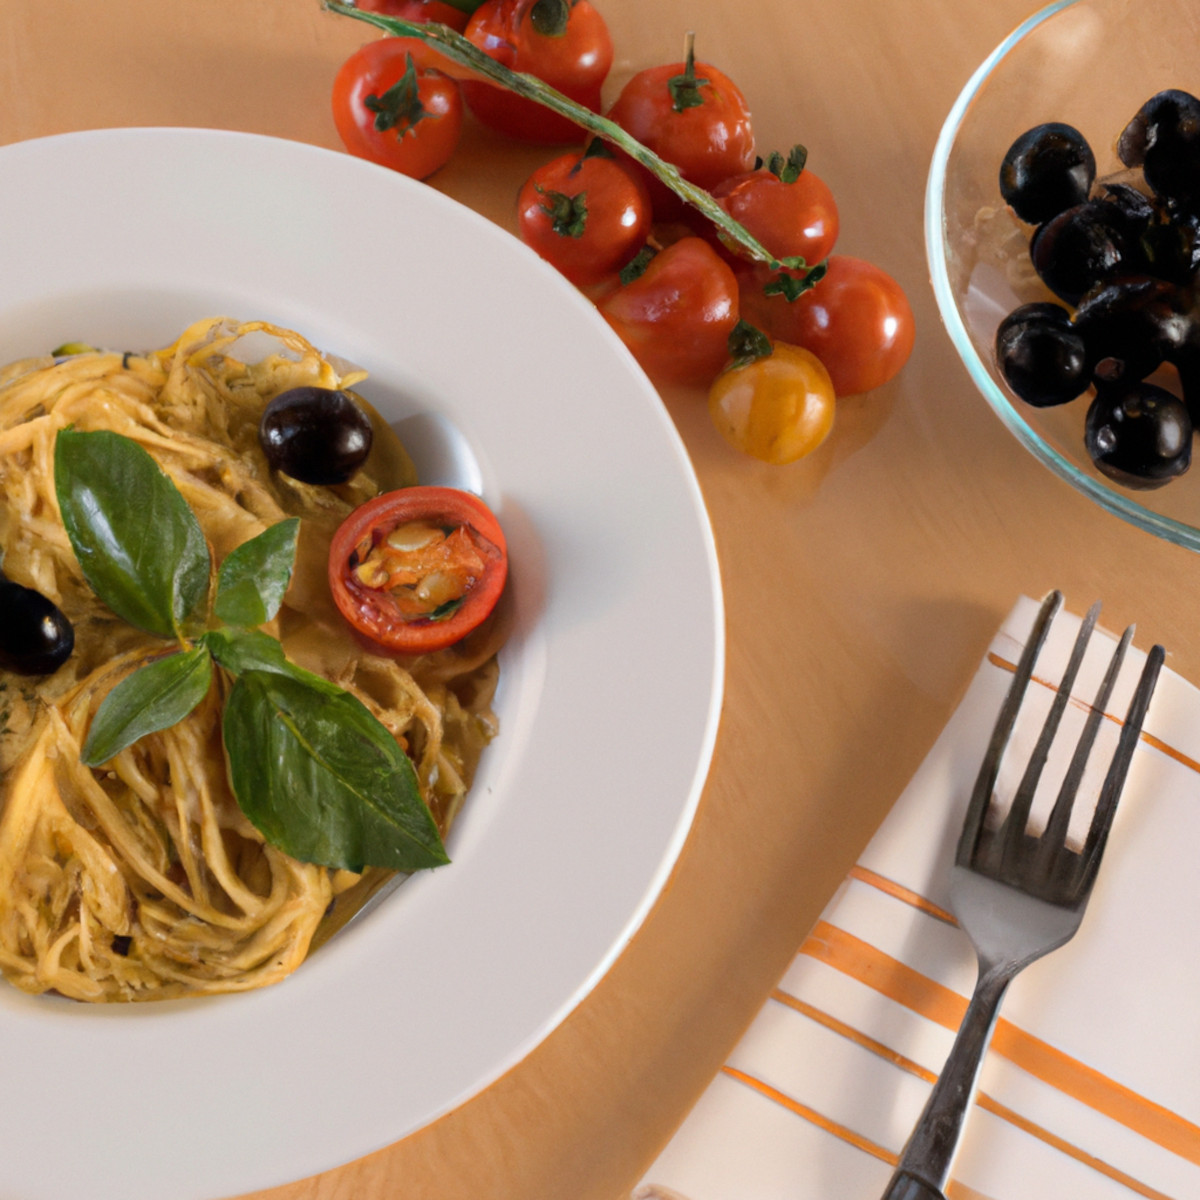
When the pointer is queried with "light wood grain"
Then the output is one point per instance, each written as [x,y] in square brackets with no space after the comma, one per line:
[862,585]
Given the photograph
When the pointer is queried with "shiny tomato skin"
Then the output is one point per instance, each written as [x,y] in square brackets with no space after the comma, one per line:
[789,219]
[778,408]
[575,63]
[418,10]
[367,609]
[708,142]
[676,317]
[616,217]
[857,321]
[368,74]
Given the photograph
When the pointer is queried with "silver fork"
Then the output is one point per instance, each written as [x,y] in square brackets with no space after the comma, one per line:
[1019,896]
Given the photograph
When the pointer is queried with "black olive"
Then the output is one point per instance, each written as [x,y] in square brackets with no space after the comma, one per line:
[35,637]
[1172,245]
[1136,321]
[1047,169]
[1084,246]
[1188,365]
[1163,138]
[315,435]
[1139,435]
[1041,356]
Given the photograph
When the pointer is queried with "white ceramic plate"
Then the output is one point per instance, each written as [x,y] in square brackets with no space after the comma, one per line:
[611,683]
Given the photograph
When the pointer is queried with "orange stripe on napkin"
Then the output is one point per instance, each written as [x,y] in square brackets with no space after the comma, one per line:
[954,1190]
[811,1114]
[900,892]
[983,1100]
[899,982]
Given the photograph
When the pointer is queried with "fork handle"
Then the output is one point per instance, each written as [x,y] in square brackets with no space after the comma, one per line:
[925,1163]
[908,1187]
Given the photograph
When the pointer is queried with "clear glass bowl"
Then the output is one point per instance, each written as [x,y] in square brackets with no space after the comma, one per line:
[1091,64]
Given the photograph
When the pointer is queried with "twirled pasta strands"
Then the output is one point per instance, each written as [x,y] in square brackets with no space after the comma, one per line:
[143,879]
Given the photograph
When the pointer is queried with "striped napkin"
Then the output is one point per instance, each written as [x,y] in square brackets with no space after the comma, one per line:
[1091,1088]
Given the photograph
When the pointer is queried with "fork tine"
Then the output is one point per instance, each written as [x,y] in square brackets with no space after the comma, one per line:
[1012,830]
[1055,833]
[989,770]
[1114,781]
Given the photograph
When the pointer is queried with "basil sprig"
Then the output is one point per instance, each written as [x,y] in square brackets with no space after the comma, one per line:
[315,772]
[138,544]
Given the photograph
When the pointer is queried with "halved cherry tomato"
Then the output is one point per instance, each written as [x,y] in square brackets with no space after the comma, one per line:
[586,213]
[392,105]
[419,10]
[776,404]
[785,206]
[565,43]
[695,117]
[417,569]
[677,314]
[857,321]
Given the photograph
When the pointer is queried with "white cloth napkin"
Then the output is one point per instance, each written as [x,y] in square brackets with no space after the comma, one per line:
[1091,1089]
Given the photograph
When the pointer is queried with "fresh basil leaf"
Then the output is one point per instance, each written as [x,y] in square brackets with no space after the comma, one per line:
[322,779]
[154,697]
[138,544]
[254,577]
[242,650]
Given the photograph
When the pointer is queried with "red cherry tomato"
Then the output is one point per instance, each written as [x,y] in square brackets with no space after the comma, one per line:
[693,116]
[856,320]
[575,61]
[677,315]
[393,106]
[586,213]
[790,213]
[418,10]
[417,569]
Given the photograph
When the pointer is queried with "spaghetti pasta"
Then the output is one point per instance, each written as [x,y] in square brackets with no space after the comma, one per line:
[142,879]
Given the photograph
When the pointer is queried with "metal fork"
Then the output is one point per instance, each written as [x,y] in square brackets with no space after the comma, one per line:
[1016,895]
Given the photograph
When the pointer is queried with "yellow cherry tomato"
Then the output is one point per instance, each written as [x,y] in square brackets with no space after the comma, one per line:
[777,408]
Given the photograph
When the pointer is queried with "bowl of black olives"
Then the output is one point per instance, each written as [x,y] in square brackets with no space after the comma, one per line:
[1062,226]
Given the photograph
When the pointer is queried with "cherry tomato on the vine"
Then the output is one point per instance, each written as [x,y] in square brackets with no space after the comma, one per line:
[584,212]
[393,106]
[857,321]
[695,117]
[418,10]
[776,403]
[677,314]
[565,43]
[785,206]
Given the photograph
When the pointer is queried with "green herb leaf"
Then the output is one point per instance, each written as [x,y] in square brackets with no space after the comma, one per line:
[241,650]
[139,545]
[322,779]
[254,577]
[154,697]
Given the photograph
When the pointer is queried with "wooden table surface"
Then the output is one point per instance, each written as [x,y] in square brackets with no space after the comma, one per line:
[861,585]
